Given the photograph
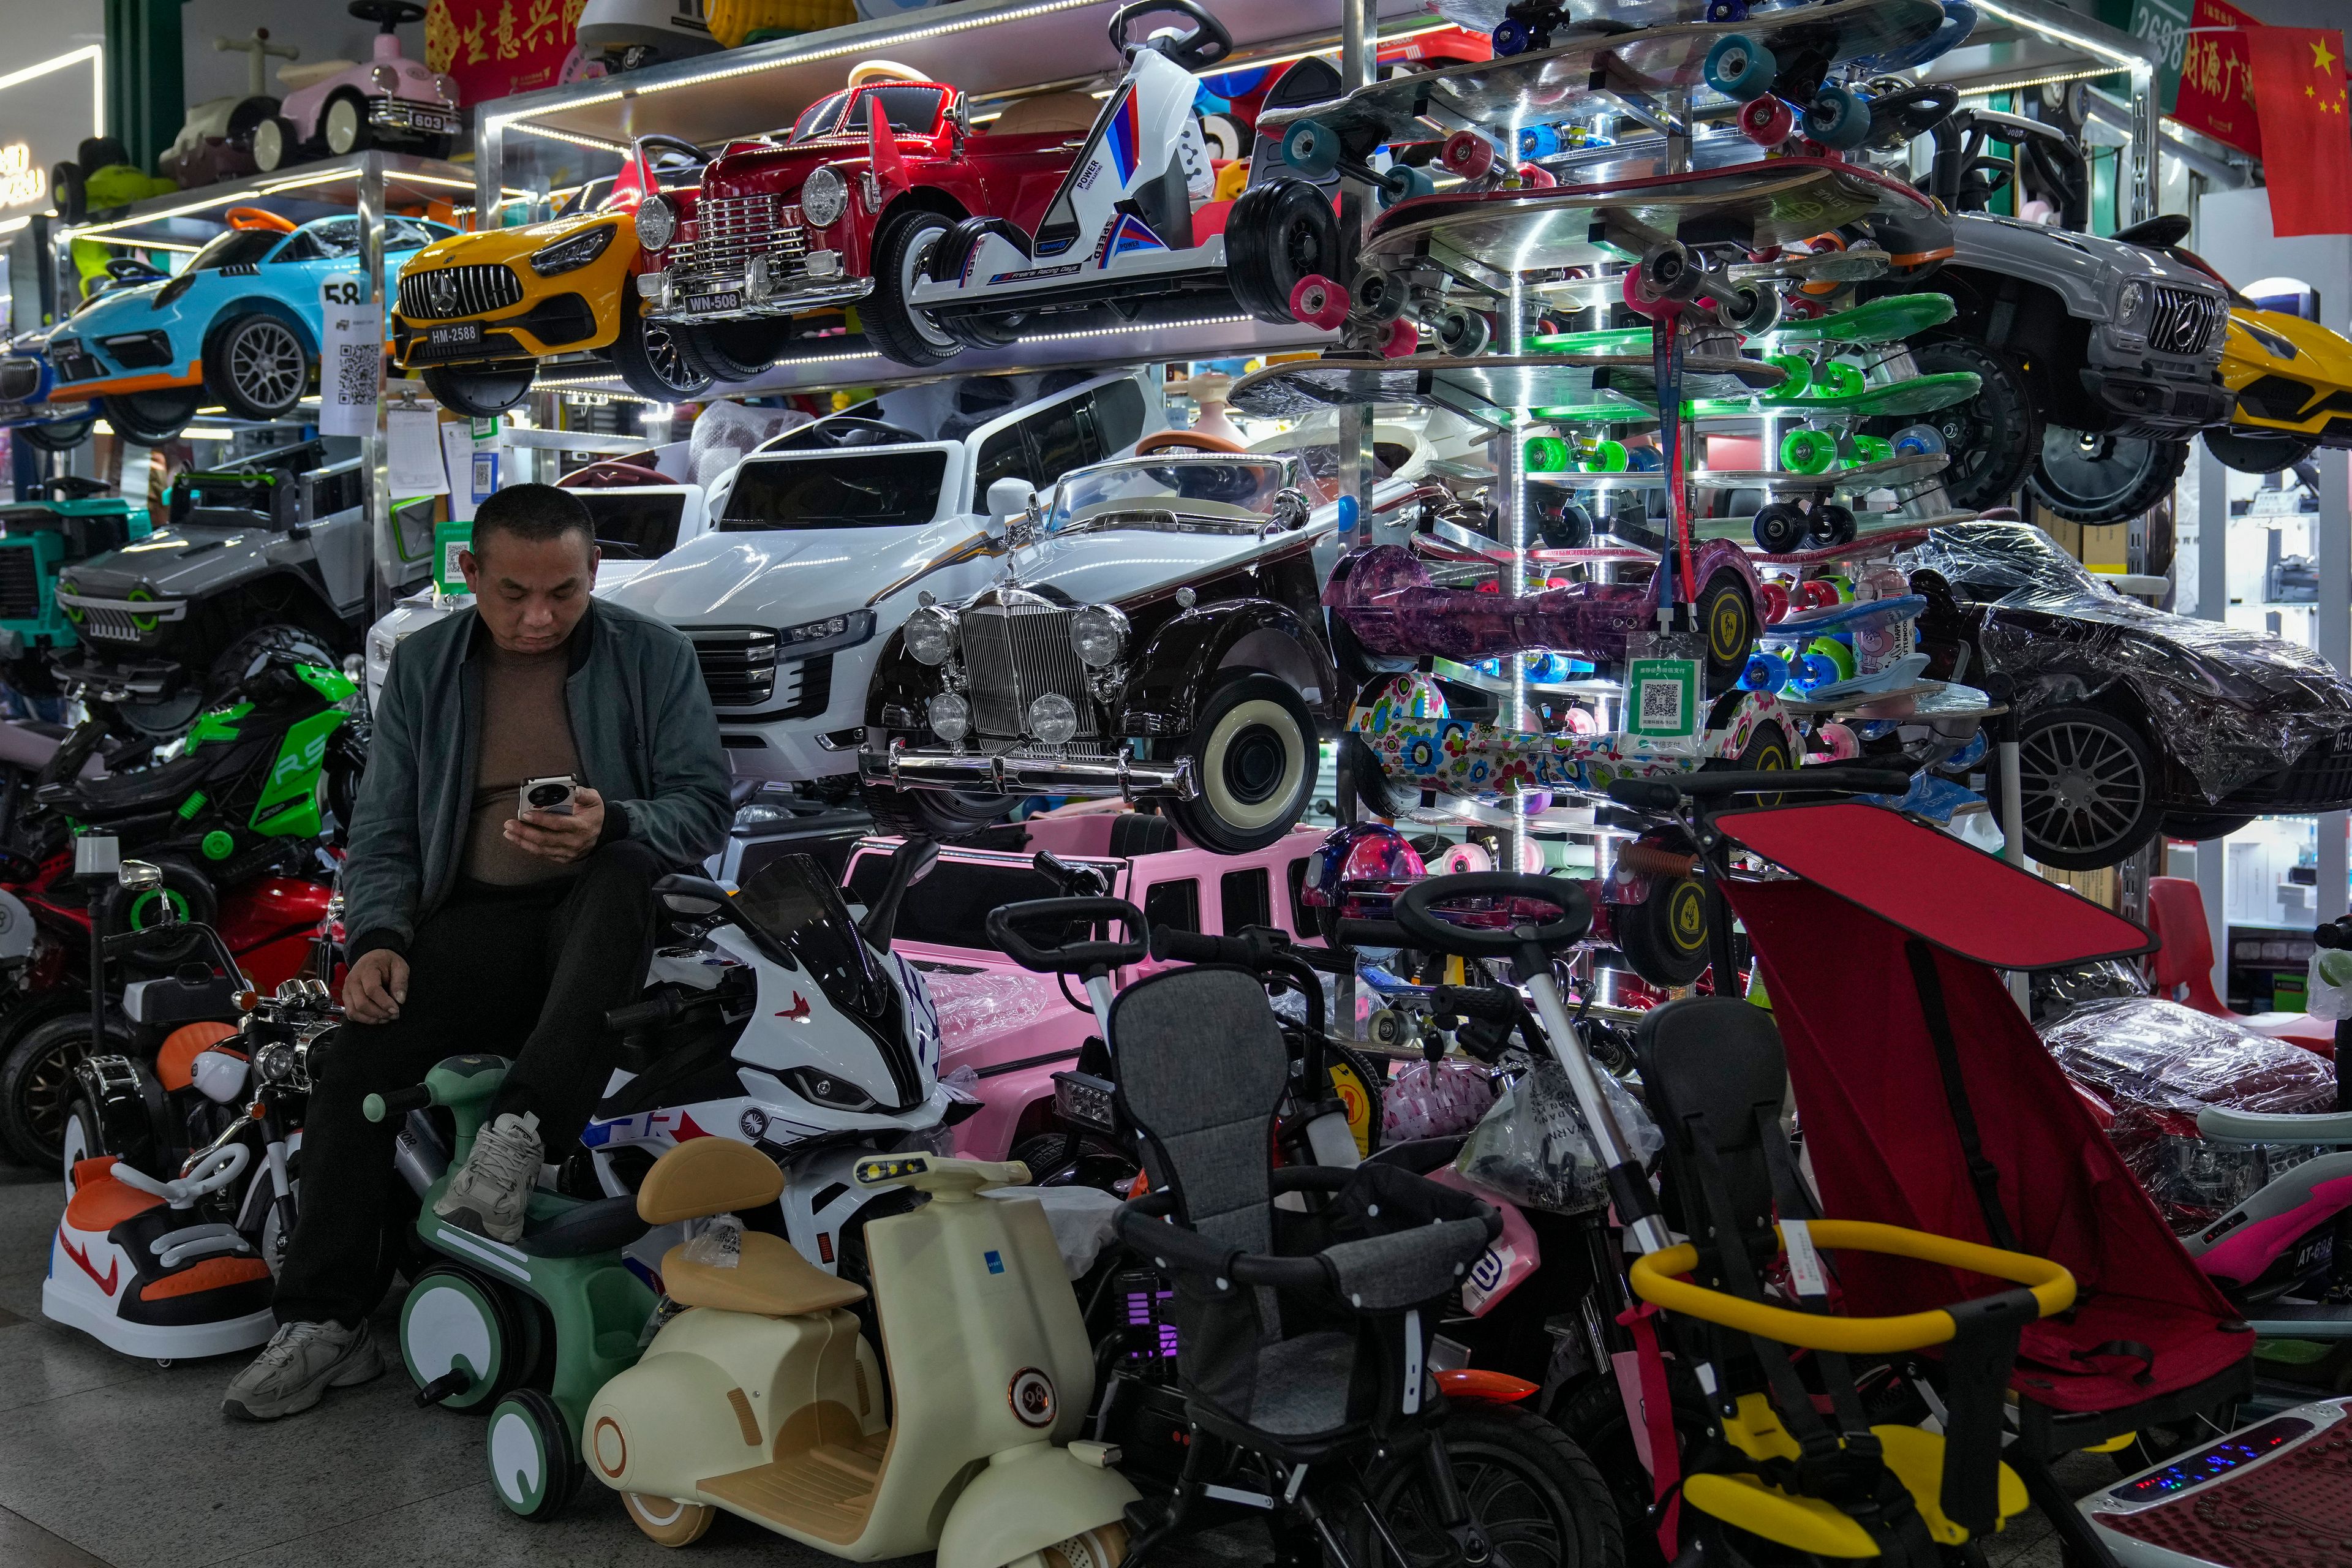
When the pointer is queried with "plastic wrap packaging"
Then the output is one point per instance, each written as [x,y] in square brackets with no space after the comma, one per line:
[2154,1065]
[2328,989]
[1434,1099]
[2058,992]
[723,432]
[718,1243]
[2233,706]
[1533,1150]
[980,1006]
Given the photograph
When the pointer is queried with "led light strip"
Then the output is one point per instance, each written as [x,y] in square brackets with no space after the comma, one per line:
[95,55]
[2032,82]
[2129,61]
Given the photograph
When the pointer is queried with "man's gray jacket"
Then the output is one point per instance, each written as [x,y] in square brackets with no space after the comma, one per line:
[641,723]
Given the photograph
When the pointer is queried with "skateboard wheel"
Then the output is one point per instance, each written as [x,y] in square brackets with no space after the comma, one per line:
[1547,454]
[1838,742]
[1403,337]
[1832,653]
[1871,449]
[1605,457]
[1644,459]
[1536,141]
[1918,441]
[1834,524]
[1403,183]
[1727,10]
[1838,117]
[1533,178]
[1809,451]
[1801,373]
[1780,528]
[1758,312]
[1816,594]
[1463,333]
[1738,66]
[1641,304]
[1767,122]
[1319,302]
[1838,379]
[1765,672]
[1469,154]
[1311,147]
[1512,36]
[1382,296]
[1773,601]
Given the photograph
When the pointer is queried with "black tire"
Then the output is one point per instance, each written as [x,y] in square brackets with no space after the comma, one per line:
[1665,937]
[2246,451]
[1076,1160]
[986,332]
[1767,750]
[242,657]
[1779,528]
[59,436]
[187,889]
[944,815]
[654,362]
[529,1430]
[1382,795]
[2089,786]
[35,1081]
[1595,1421]
[1725,616]
[734,350]
[2085,476]
[902,254]
[69,191]
[151,418]
[1276,234]
[1992,439]
[255,365]
[481,391]
[1535,1495]
[1254,753]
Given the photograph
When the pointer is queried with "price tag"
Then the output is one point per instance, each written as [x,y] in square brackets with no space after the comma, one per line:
[1805,1270]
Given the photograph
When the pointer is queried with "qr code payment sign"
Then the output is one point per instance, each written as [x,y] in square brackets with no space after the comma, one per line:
[1662,705]
[1664,694]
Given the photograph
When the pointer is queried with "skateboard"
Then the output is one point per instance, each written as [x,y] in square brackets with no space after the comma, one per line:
[1613,72]
[1842,653]
[1489,388]
[1909,397]
[1890,319]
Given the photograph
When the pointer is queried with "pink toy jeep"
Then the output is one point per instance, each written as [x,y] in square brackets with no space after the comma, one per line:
[1017,1029]
[335,107]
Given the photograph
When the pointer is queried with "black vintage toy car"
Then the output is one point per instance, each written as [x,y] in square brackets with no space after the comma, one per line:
[2132,720]
[1156,635]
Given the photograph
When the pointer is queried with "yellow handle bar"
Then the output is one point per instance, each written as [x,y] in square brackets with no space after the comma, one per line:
[1653,1278]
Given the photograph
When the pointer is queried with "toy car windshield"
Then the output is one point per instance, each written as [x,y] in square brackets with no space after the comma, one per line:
[913,110]
[795,910]
[2009,563]
[1204,492]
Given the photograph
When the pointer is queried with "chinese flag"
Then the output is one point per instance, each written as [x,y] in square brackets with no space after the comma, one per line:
[2300,94]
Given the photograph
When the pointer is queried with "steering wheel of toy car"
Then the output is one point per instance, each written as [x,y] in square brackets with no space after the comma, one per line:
[131,270]
[1205,45]
[1913,111]
[386,14]
[611,473]
[663,140]
[1413,912]
[832,432]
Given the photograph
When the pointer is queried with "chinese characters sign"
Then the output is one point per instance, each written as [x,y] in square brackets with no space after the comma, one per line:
[494,47]
[21,179]
[2217,80]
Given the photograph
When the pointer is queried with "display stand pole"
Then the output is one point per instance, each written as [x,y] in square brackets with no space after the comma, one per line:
[2213,604]
[383,582]
[2332,547]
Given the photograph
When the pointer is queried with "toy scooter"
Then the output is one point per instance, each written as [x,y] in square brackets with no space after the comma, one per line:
[760,1398]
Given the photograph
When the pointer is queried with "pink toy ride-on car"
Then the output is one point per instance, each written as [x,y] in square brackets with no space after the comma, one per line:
[337,107]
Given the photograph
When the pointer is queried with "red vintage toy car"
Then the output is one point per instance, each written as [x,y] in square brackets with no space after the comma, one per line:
[848,205]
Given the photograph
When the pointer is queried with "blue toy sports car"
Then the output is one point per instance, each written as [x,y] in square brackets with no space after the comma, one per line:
[240,327]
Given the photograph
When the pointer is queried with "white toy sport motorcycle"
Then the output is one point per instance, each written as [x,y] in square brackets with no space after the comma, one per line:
[1121,230]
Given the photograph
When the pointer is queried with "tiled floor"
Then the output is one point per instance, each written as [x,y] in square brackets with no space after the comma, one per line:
[112,1463]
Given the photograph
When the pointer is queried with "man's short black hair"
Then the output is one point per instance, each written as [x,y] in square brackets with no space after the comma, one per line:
[532,512]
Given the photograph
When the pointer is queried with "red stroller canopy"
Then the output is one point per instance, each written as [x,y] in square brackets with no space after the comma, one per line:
[1891,943]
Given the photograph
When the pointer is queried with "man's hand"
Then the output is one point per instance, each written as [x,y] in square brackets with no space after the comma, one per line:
[562,840]
[375,987]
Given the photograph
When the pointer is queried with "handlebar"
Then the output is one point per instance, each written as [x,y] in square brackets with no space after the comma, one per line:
[1204,45]
[1665,793]
[651,1013]
[1005,920]
[1488,1005]
[399,1103]
[1370,934]
[1415,917]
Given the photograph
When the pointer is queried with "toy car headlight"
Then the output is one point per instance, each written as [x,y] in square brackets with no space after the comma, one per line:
[823,1088]
[656,223]
[1054,719]
[573,252]
[446,87]
[949,715]
[930,637]
[824,197]
[2129,301]
[822,637]
[1098,633]
[383,78]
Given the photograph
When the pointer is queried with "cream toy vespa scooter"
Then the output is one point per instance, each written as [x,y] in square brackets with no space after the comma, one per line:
[763,1399]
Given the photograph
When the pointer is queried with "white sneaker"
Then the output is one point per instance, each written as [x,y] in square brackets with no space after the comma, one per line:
[300,1362]
[491,1192]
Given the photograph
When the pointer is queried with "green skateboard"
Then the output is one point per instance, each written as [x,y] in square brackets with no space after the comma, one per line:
[1489,388]
[1919,394]
[1890,319]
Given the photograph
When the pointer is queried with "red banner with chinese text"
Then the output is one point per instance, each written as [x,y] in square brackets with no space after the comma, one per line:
[2217,85]
[494,47]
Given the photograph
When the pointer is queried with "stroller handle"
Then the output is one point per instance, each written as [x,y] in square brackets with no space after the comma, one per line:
[1664,794]
[1413,914]
[1004,928]
[2053,1288]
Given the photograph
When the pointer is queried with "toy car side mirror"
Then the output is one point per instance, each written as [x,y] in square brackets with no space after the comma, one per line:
[1008,499]
[691,896]
[140,876]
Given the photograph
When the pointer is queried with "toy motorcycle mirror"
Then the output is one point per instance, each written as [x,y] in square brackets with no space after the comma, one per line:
[909,864]
[140,876]
[695,897]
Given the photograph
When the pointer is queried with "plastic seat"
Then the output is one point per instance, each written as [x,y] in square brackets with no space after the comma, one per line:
[132,794]
[769,1278]
[2182,969]
[295,78]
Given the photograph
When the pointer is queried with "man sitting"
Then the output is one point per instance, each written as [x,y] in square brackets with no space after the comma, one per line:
[475,925]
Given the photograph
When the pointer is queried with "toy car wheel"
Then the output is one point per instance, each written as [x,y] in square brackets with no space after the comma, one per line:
[655,362]
[1725,613]
[734,350]
[946,814]
[1780,528]
[454,1322]
[255,365]
[535,1464]
[276,143]
[70,192]
[1253,753]
[344,125]
[1523,1482]
[668,1521]
[1381,793]
[1740,67]
[902,254]
[36,1079]
[986,332]
[2241,450]
[151,418]
[481,391]
[58,436]
[1990,439]
[1278,235]
[2089,476]
[1664,937]
[79,1138]
[2087,784]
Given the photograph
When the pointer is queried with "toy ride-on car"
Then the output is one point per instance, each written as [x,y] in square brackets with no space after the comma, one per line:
[337,107]
[477,312]
[1198,676]
[70,520]
[240,325]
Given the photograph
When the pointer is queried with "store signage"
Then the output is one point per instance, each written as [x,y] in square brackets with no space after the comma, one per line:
[494,47]
[22,181]
[2203,79]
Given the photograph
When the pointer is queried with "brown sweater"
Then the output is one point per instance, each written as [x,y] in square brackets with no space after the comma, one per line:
[526,735]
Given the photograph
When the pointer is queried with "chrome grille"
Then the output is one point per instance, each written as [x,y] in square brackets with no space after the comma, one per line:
[1015,655]
[731,230]
[738,665]
[2187,321]
[112,624]
[467,290]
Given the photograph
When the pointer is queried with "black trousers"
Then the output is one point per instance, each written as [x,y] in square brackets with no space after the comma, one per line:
[526,973]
